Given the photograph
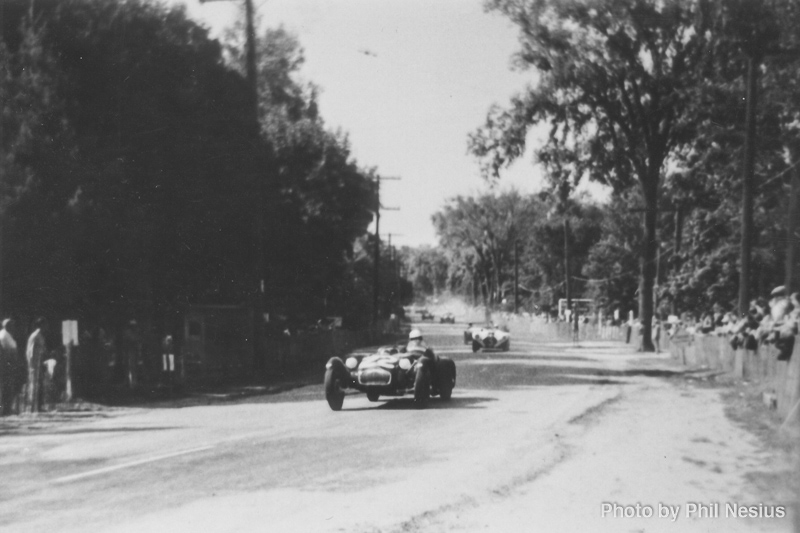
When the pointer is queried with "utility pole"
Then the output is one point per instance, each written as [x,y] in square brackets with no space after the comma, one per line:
[377,252]
[395,268]
[792,229]
[755,52]
[257,293]
[516,277]
[745,247]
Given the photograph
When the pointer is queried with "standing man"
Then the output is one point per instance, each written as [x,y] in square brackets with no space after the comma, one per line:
[12,369]
[132,348]
[36,353]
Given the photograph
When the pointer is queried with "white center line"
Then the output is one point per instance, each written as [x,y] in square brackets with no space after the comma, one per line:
[90,473]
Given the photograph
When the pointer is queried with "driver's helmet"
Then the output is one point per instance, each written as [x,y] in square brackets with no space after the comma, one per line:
[414,334]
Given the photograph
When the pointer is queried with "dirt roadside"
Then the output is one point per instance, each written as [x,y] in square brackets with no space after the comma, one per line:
[698,443]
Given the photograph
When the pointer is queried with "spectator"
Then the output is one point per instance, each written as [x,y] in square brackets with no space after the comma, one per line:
[778,327]
[746,329]
[774,315]
[12,370]
[794,314]
[656,333]
[728,324]
[707,323]
[132,350]
[718,315]
[36,354]
[54,376]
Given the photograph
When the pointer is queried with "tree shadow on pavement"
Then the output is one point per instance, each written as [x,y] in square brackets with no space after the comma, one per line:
[503,374]
[31,428]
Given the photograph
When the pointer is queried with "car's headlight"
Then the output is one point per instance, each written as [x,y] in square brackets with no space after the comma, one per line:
[351,363]
[404,363]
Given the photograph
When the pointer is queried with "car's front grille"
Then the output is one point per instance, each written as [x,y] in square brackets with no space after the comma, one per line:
[375,376]
[489,341]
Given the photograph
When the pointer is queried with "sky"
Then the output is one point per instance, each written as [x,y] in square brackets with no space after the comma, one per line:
[407,80]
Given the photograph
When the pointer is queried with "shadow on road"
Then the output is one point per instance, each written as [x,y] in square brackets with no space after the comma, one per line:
[402,404]
[59,429]
[503,373]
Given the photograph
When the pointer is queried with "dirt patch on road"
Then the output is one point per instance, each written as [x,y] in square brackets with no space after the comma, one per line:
[593,413]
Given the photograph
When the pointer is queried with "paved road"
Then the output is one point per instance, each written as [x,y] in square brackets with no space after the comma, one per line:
[286,463]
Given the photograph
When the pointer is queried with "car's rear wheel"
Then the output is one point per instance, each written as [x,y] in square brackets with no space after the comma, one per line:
[422,384]
[507,346]
[334,391]
[373,396]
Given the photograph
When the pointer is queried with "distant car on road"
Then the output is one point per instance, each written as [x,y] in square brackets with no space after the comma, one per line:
[425,315]
[447,318]
[487,338]
[391,371]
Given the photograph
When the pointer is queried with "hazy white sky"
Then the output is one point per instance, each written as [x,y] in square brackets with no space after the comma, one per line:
[433,69]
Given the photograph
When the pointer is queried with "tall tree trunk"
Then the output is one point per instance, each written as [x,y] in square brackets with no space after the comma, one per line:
[487,277]
[649,258]
[497,285]
[567,277]
[676,264]
[485,290]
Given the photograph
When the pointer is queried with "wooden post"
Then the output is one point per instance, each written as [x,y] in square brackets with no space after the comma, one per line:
[516,277]
[70,349]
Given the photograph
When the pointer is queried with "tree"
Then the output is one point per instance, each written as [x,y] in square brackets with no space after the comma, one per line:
[615,80]
[37,176]
[426,269]
[320,201]
[488,227]
[728,172]
[130,159]
[612,262]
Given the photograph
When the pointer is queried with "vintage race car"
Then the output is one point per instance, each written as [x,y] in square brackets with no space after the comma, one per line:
[470,332]
[488,338]
[390,372]
[425,315]
[447,318]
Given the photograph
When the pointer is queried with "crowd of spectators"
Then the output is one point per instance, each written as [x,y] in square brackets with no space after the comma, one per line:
[775,321]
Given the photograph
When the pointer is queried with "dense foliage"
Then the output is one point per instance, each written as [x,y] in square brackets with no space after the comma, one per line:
[478,236]
[648,97]
[132,168]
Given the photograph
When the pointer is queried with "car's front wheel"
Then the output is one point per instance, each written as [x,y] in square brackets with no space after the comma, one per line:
[373,396]
[334,383]
[422,384]
[475,346]
[446,370]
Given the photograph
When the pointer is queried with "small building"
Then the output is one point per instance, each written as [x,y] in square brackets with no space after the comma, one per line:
[217,343]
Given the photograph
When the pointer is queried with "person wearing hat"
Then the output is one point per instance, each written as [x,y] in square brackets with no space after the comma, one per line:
[415,342]
[417,345]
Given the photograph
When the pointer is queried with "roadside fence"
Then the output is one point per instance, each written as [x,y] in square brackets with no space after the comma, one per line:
[778,380]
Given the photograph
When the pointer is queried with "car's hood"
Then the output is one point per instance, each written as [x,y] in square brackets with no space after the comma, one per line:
[498,334]
[385,361]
